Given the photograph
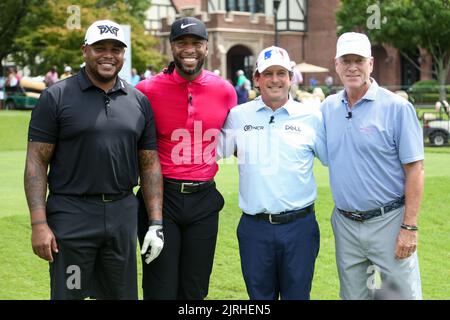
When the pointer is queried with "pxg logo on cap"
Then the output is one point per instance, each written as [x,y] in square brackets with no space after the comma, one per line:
[188,26]
[104,30]
[353,43]
[273,56]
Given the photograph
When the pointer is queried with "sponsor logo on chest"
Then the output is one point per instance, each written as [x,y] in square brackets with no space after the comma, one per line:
[292,128]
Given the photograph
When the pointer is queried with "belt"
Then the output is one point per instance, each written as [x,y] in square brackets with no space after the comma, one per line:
[283,217]
[106,197]
[362,216]
[187,186]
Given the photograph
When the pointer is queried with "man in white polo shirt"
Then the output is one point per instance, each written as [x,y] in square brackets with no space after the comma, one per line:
[375,152]
[276,139]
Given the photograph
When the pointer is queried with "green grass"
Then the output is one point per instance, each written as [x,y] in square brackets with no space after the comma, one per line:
[14,129]
[24,276]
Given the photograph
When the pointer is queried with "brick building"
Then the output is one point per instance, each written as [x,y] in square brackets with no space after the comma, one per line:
[239,29]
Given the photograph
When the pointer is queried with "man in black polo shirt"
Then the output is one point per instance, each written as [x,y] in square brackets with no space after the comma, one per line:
[97,135]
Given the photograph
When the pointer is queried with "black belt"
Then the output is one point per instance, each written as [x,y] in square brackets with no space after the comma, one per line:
[362,216]
[283,217]
[103,197]
[187,186]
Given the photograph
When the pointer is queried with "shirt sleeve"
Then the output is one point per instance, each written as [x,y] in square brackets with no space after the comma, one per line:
[320,143]
[141,86]
[232,99]
[44,122]
[409,136]
[226,144]
[148,137]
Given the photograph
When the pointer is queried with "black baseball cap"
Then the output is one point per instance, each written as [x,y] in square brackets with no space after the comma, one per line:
[188,26]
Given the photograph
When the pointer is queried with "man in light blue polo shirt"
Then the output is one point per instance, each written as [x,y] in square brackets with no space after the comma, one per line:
[375,152]
[276,139]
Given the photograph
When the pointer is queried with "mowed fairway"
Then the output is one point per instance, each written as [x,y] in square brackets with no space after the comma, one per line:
[24,276]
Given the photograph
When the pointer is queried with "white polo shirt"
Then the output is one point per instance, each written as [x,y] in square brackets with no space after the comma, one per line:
[275,154]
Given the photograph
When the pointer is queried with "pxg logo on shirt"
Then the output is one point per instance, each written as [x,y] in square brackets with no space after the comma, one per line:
[106,29]
[249,127]
[292,128]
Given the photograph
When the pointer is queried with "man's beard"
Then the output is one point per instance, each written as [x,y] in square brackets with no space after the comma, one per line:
[103,79]
[98,76]
[197,68]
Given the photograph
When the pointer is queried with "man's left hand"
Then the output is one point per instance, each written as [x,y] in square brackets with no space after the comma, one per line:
[154,239]
[406,243]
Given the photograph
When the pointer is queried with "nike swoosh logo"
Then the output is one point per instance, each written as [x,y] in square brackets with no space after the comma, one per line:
[184,26]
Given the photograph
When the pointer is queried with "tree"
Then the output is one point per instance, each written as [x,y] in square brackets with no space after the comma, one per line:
[53,31]
[404,24]
[12,14]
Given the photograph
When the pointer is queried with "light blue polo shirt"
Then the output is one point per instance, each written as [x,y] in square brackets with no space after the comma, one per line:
[366,152]
[275,159]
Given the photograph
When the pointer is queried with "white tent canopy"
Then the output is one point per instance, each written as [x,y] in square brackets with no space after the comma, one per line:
[310,68]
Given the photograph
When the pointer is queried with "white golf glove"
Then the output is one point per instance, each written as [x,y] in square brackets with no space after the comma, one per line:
[154,239]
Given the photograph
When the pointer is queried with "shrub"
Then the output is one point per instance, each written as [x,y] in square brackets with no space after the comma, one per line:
[426,91]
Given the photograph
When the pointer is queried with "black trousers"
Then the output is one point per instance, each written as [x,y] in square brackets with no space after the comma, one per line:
[183,268]
[97,248]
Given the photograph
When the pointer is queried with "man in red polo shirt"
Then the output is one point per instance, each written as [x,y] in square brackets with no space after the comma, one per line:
[190,105]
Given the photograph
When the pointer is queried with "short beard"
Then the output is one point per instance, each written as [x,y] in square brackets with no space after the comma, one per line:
[94,73]
[103,79]
[189,71]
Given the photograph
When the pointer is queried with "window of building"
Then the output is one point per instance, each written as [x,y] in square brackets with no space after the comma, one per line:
[159,9]
[253,6]
[292,15]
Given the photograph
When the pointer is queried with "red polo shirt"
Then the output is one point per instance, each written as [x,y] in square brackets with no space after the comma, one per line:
[188,117]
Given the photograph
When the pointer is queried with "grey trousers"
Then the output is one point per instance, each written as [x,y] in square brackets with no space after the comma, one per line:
[365,247]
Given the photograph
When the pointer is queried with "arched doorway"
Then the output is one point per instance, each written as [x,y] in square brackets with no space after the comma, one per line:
[239,57]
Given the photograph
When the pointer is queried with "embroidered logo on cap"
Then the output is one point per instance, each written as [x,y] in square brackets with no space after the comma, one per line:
[268,54]
[106,29]
[184,26]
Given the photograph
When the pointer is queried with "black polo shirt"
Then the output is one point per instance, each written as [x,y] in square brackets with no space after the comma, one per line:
[97,135]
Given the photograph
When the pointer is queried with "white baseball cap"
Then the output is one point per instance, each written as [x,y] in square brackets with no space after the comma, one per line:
[353,43]
[273,56]
[104,30]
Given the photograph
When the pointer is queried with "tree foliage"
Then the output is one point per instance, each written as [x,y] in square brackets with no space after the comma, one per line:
[404,24]
[11,15]
[52,32]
